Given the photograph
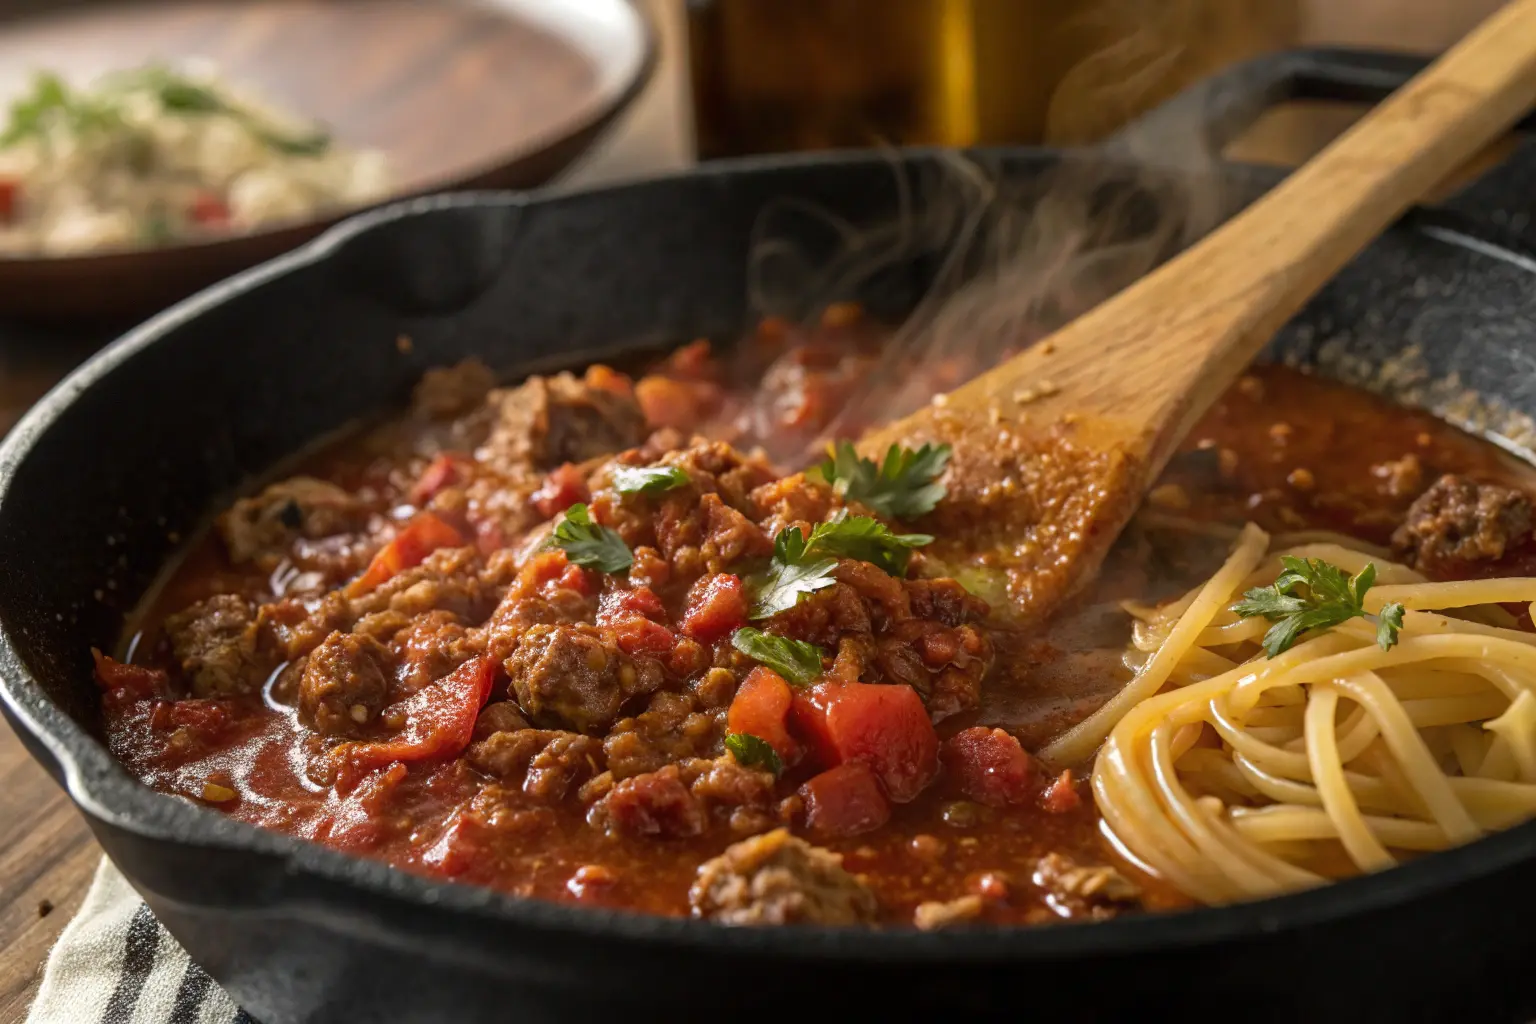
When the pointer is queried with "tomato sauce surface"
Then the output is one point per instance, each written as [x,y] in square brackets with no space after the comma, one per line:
[223,714]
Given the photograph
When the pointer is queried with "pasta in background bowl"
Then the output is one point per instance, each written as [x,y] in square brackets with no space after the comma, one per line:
[159,156]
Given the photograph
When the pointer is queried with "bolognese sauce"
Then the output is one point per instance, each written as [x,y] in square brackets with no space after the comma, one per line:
[582,639]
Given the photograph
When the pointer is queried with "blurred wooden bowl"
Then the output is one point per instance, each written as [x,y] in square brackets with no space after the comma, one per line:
[459,93]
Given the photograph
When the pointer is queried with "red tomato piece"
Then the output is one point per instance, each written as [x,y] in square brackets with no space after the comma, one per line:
[621,604]
[680,404]
[608,379]
[10,199]
[1061,796]
[204,718]
[439,722]
[989,766]
[717,607]
[629,615]
[489,536]
[636,635]
[124,684]
[424,534]
[845,801]
[578,579]
[208,208]
[444,470]
[562,488]
[693,361]
[761,708]
[883,725]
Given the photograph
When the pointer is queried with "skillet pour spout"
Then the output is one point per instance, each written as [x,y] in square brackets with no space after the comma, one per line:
[230,383]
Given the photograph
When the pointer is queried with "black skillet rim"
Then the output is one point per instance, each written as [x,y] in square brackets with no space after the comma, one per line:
[103,790]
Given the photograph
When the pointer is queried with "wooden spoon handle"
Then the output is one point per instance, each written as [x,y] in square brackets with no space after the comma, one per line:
[1150,360]
[1261,267]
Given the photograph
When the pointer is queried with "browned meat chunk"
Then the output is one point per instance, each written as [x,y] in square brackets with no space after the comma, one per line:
[745,795]
[1078,890]
[778,879]
[1399,477]
[1457,520]
[574,677]
[917,632]
[261,528]
[214,642]
[655,804]
[447,582]
[670,730]
[935,914]
[551,420]
[451,390]
[548,761]
[345,684]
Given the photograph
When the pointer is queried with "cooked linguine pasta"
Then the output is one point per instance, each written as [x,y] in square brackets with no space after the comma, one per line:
[1236,775]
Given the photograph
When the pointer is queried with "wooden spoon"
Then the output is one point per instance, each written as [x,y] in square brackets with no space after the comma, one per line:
[1054,449]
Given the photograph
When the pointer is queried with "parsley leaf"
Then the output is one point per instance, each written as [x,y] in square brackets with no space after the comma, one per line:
[868,540]
[803,566]
[901,487]
[181,95]
[649,479]
[52,102]
[589,544]
[1331,598]
[1387,625]
[754,752]
[797,661]
[792,573]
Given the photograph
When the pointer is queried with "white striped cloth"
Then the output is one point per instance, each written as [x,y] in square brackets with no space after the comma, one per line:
[115,964]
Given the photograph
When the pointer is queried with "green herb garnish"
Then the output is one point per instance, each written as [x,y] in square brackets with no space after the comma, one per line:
[797,661]
[182,95]
[868,540]
[902,487]
[52,102]
[1329,598]
[590,545]
[754,752]
[649,479]
[793,573]
[803,566]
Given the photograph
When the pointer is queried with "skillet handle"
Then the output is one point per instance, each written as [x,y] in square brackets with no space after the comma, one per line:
[1226,103]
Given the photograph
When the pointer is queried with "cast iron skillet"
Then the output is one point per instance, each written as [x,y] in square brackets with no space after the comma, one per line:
[102,480]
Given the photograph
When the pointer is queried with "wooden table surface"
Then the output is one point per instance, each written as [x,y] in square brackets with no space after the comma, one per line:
[47,854]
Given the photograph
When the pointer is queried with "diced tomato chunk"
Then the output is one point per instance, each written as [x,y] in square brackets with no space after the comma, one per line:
[606,378]
[424,534]
[445,470]
[717,607]
[693,361]
[1061,796]
[208,208]
[562,488]
[622,603]
[989,766]
[123,684]
[576,578]
[10,199]
[883,725]
[489,536]
[439,723]
[204,718]
[630,614]
[761,708]
[845,801]
[680,404]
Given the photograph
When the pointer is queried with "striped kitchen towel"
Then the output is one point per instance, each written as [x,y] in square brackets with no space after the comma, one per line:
[115,964]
